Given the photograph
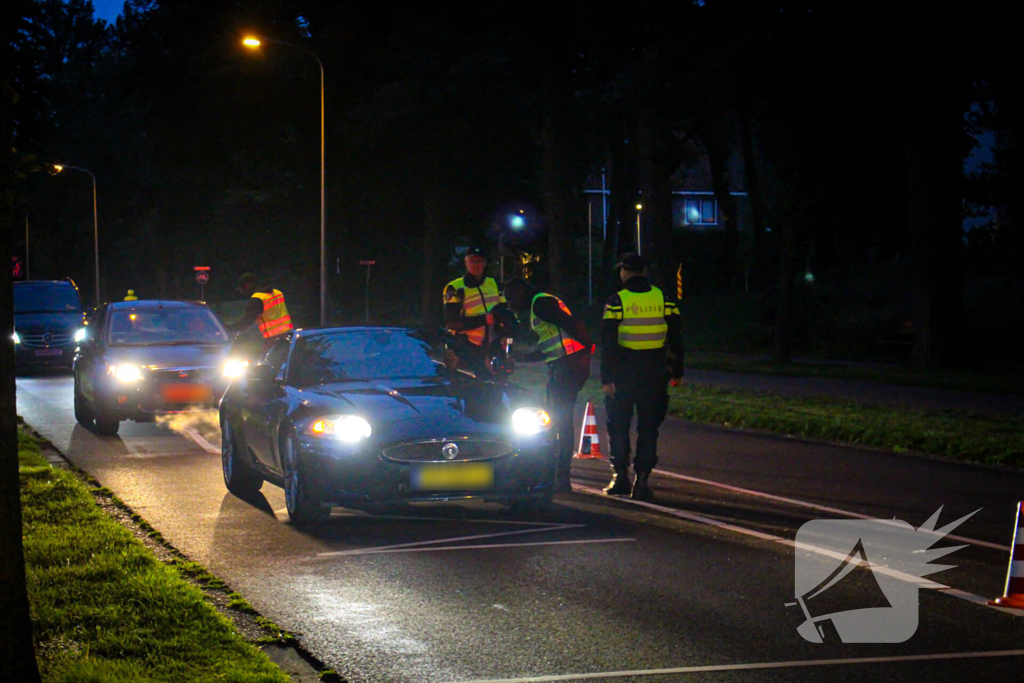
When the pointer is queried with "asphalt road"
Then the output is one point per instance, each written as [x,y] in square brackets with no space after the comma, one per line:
[597,588]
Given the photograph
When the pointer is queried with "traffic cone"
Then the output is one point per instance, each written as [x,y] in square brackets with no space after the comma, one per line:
[590,442]
[1013,594]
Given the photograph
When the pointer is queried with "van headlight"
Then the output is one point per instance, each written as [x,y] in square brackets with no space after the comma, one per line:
[16,338]
[234,368]
[126,373]
[347,428]
[530,420]
[80,334]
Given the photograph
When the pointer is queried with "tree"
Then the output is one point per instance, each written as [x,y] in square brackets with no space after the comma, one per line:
[17,656]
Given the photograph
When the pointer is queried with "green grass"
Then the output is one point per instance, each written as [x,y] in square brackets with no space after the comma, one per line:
[104,609]
[1009,380]
[957,435]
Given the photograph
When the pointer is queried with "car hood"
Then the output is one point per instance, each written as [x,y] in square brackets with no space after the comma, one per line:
[407,409]
[160,357]
[57,321]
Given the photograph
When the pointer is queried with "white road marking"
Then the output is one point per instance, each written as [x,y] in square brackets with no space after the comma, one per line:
[881,569]
[754,666]
[482,546]
[814,506]
[201,440]
[455,539]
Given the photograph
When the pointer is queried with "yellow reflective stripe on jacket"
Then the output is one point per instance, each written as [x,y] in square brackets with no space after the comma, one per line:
[275,319]
[643,323]
[477,301]
[554,344]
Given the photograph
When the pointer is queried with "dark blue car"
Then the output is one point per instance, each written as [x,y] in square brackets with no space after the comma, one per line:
[366,416]
[140,359]
[48,323]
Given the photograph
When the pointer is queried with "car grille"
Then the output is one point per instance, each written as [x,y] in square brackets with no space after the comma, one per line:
[178,375]
[38,340]
[431,451]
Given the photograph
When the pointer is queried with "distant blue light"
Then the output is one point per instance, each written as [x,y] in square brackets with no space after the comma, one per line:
[516,222]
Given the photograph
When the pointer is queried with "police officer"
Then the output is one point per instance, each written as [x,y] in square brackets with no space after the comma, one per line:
[566,346]
[474,308]
[637,327]
[266,307]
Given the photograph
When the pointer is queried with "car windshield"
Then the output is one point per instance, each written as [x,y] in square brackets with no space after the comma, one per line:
[152,326]
[46,298]
[361,355]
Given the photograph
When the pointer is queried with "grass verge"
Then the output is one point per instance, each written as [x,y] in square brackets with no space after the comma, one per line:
[957,435]
[1008,381]
[104,609]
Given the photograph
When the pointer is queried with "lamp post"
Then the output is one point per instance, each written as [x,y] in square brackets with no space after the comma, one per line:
[253,42]
[57,168]
[639,208]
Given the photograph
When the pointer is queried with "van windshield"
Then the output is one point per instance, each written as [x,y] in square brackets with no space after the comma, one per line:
[46,298]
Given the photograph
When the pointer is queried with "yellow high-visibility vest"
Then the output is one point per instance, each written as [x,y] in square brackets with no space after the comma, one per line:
[553,343]
[275,319]
[643,316]
[475,301]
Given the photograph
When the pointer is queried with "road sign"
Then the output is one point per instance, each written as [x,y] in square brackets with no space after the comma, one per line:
[202,277]
[367,263]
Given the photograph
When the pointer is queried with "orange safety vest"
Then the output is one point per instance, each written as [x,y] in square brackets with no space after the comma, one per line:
[275,319]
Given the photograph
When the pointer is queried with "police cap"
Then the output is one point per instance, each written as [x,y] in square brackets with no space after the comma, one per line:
[633,262]
[476,251]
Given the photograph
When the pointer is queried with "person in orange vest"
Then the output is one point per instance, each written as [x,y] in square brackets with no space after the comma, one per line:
[475,311]
[565,345]
[266,308]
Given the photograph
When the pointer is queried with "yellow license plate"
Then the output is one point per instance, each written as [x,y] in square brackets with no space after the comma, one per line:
[477,476]
[186,393]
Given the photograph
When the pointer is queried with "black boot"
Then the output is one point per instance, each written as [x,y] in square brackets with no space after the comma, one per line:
[641,491]
[619,485]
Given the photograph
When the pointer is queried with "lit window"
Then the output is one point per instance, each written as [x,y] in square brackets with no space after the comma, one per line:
[700,211]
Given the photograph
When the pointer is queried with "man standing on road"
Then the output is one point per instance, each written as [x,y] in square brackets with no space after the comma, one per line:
[638,323]
[566,346]
[266,307]
[473,308]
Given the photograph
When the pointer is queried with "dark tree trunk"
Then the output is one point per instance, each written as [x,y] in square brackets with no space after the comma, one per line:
[658,158]
[782,341]
[718,158]
[934,183]
[17,656]
[759,265]
[434,207]
[555,188]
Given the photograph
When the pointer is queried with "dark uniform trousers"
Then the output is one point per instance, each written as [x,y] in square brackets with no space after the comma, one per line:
[642,385]
[566,377]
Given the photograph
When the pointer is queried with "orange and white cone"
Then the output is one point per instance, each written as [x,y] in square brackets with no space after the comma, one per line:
[1013,594]
[590,442]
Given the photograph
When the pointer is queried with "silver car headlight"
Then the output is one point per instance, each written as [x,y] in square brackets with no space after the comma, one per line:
[347,428]
[530,420]
[234,368]
[126,373]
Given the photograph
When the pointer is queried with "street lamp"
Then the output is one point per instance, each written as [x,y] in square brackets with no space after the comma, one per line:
[516,222]
[639,208]
[252,42]
[54,170]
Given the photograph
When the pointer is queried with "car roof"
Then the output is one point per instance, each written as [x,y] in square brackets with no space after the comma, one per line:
[154,303]
[308,332]
[49,283]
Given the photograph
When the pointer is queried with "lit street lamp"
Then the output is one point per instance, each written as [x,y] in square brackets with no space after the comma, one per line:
[253,42]
[639,208]
[54,170]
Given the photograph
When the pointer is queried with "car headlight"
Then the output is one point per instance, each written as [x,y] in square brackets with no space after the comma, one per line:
[126,373]
[16,338]
[530,420]
[347,428]
[80,334]
[235,368]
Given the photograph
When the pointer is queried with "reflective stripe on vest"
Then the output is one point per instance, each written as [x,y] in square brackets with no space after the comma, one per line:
[275,319]
[643,323]
[477,301]
[553,343]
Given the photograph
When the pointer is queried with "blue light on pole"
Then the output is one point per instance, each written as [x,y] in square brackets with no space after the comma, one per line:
[516,222]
